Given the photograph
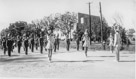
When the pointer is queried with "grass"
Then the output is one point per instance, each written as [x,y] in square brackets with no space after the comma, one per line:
[96,46]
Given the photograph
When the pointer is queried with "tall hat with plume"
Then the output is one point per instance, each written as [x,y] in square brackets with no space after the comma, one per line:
[85,32]
[116,27]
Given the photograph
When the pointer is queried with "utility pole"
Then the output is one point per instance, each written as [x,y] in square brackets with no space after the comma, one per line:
[101,22]
[90,21]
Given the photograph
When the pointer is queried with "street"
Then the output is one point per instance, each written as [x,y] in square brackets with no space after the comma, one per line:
[72,64]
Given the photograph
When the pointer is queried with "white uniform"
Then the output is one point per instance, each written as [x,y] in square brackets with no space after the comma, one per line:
[117,44]
[50,44]
[110,41]
[117,40]
[86,41]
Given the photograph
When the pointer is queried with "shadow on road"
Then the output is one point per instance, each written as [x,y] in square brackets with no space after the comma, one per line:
[100,56]
[127,61]
[106,56]
[8,56]
[92,61]
[21,59]
[130,52]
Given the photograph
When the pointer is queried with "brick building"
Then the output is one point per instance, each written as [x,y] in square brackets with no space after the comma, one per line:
[83,21]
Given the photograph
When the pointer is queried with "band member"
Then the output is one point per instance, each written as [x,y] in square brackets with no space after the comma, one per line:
[26,45]
[29,41]
[117,43]
[50,44]
[55,43]
[45,42]
[41,42]
[4,41]
[36,43]
[86,41]
[67,42]
[58,41]
[32,43]
[19,43]
[83,42]
[9,45]
[13,43]
[23,39]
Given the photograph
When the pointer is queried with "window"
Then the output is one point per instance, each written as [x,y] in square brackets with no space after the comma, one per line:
[82,20]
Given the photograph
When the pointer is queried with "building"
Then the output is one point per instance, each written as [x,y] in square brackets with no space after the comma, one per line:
[83,21]
[131,36]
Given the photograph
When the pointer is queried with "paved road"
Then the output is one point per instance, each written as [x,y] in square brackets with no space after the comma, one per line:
[72,64]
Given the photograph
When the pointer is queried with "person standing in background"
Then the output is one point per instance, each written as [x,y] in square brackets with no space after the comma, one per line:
[77,41]
[111,42]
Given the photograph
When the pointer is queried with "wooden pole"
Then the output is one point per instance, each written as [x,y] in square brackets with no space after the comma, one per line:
[90,22]
[101,22]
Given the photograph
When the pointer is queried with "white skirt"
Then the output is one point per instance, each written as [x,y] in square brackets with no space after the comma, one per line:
[86,44]
[49,45]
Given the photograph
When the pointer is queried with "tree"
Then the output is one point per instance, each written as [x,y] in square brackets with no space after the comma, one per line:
[105,30]
[96,29]
[67,22]
[4,32]
[48,22]
[17,28]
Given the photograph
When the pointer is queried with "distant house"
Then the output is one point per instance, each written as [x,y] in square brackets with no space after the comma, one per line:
[131,36]
[62,35]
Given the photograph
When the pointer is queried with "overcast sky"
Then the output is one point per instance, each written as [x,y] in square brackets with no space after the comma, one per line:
[28,10]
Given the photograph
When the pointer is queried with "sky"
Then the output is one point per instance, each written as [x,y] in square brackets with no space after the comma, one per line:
[28,10]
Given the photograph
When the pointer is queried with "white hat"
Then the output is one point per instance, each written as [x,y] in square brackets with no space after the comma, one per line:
[85,32]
